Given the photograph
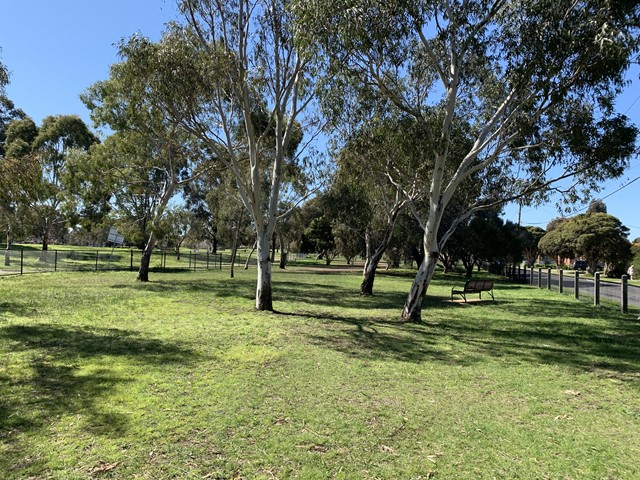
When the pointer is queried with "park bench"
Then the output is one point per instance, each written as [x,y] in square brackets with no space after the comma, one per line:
[474,286]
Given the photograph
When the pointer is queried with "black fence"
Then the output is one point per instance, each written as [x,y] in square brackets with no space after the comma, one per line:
[578,285]
[24,261]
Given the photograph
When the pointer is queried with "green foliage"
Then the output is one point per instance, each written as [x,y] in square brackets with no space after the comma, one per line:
[4,77]
[320,234]
[349,243]
[552,79]
[597,206]
[529,238]
[598,237]
[635,254]
[532,84]
[37,176]
[8,113]
[484,239]
[142,165]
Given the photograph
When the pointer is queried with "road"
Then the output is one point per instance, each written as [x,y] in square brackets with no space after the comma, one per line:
[608,290]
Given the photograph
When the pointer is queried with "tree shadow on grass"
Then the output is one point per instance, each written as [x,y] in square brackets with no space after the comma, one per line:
[378,339]
[15,308]
[59,379]
[550,332]
[226,287]
[284,291]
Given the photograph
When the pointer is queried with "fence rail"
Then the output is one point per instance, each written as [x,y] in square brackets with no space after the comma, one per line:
[574,283]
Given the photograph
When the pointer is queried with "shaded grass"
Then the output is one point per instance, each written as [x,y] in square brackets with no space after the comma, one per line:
[102,377]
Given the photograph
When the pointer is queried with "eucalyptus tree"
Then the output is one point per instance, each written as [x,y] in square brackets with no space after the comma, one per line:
[8,110]
[369,162]
[530,237]
[535,81]
[19,173]
[8,113]
[233,77]
[384,156]
[147,160]
[36,166]
[177,225]
[4,77]
[58,137]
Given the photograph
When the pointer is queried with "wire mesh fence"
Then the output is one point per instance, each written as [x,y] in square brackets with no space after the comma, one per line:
[22,261]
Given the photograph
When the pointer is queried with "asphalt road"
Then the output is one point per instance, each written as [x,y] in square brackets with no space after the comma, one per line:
[608,290]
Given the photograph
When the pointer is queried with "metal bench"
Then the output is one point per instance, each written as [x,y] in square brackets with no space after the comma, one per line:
[474,286]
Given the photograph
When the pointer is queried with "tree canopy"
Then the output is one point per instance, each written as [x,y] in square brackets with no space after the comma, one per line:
[535,81]
[597,237]
[233,77]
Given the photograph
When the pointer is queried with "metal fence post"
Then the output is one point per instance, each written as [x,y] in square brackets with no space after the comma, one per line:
[539,277]
[531,278]
[548,278]
[220,261]
[624,295]
[131,262]
[207,260]
[561,281]
[596,289]
[164,261]
[576,285]
[55,260]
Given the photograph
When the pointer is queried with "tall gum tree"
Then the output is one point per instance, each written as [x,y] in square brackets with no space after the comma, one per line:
[233,64]
[147,159]
[58,138]
[535,80]
[384,156]
[19,174]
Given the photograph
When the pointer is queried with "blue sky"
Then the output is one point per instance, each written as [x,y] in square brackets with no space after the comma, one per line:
[56,49]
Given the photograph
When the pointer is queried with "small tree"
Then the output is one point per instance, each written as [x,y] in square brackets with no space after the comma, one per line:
[530,237]
[176,226]
[597,206]
[320,233]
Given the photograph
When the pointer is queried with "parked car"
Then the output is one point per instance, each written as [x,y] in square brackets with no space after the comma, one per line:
[582,265]
[579,265]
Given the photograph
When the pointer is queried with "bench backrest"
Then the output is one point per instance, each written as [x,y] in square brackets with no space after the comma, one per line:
[478,285]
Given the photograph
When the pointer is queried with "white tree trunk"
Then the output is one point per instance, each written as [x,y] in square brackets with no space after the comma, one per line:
[412,311]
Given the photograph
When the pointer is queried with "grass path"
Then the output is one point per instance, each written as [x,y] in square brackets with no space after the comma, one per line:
[101,377]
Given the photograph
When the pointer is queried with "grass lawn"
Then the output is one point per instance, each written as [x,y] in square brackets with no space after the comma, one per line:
[103,377]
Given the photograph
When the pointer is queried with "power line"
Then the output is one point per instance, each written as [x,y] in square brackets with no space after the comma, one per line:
[632,104]
[606,196]
[623,186]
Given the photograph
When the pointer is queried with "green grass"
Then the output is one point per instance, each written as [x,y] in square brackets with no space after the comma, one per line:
[103,377]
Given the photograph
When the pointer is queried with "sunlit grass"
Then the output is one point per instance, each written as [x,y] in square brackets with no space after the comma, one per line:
[104,377]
